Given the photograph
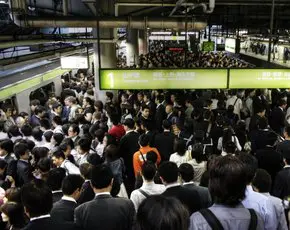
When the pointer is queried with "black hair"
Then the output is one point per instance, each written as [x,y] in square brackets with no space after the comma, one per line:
[228,133]
[84,144]
[65,128]
[15,213]
[40,152]
[111,152]
[44,164]
[2,123]
[48,135]
[172,214]
[101,176]
[20,149]
[36,198]
[94,159]
[34,102]
[168,171]
[55,106]
[7,145]
[160,98]
[197,152]
[100,134]
[129,122]
[230,147]
[26,130]
[166,124]
[250,164]
[152,157]
[262,181]
[39,109]
[57,120]
[37,133]
[55,178]
[227,181]
[148,170]
[75,128]
[13,195]
[58,154]
[67,142]
[71,183]
[186,172]
[262,123]
[58,137]
[45,123]
[144,140]
[14,131]
[180,146]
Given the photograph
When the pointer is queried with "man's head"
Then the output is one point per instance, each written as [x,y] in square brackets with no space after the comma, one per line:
[250,164]
[168,172]
[166,125]
[146,97]
[129,124]
[36,198]
[84,145]
[73,130]
[57,108]
[148,171]
[262,181]
[186,172]
[169,109]
[21,151]
[6,147]
[144,140]
[102,179]
[282,103]
[227,181]
[145,111]
[34,104]
[159,99]
[55,178]
[72,185]
[86,170]
[58,158]
[40,111]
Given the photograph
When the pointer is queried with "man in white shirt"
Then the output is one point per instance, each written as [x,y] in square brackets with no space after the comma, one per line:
[149,187]
[254,200]
[59,160]
[262,183]
[236,102]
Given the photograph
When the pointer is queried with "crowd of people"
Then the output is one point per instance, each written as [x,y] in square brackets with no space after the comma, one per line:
[174,160]
[161,57]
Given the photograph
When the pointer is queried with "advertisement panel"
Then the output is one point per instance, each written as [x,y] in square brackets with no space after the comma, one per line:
[259,78]
[163,79]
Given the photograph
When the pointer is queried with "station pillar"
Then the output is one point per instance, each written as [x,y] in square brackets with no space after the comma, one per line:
[107,53]
[142,42]
[132,47]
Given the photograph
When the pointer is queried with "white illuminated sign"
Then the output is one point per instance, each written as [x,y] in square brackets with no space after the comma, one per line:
[74,62]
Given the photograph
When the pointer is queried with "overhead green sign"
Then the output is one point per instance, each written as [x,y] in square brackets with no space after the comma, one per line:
[163,79]
[259,78]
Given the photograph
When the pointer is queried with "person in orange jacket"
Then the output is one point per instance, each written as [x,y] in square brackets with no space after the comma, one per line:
[140,156]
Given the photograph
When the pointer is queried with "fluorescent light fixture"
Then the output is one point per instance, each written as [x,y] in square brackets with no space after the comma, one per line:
[161,33]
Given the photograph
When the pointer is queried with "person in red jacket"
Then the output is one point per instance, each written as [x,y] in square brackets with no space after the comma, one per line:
[117,130]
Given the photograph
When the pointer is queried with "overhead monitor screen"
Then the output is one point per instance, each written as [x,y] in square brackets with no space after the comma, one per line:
[163,79]
[259,78]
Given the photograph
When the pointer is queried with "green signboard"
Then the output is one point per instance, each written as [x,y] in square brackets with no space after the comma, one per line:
[259,78]
[208,46]
[163,79]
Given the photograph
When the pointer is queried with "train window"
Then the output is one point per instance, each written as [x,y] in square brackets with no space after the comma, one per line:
[43,94]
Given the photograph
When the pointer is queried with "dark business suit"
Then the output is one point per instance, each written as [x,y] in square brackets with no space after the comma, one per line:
[160,116]
[63,211]
[187,197]
[23,173]
[49,224]
[284,147]
[281,186]
[105,212]
[270,160]
[205,198]
[164,142]
[277,120]
[56,196]
[87,193]
[34,121]
[128,146]
[259,139]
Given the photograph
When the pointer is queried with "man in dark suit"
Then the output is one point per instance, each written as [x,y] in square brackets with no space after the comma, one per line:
[160,114]
[87,193]
[151,105]
[54,182]
[128,146]
[284,146]
[105,212]
[281,186]
[260,135]
[37,201]
[23,167]
[39,113]
[187,174]
[268,158]
[277,117]
[164,142]
[63,210]
[168,172]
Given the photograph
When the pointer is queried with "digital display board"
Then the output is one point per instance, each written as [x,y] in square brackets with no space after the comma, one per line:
[259,78]
[163,79]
